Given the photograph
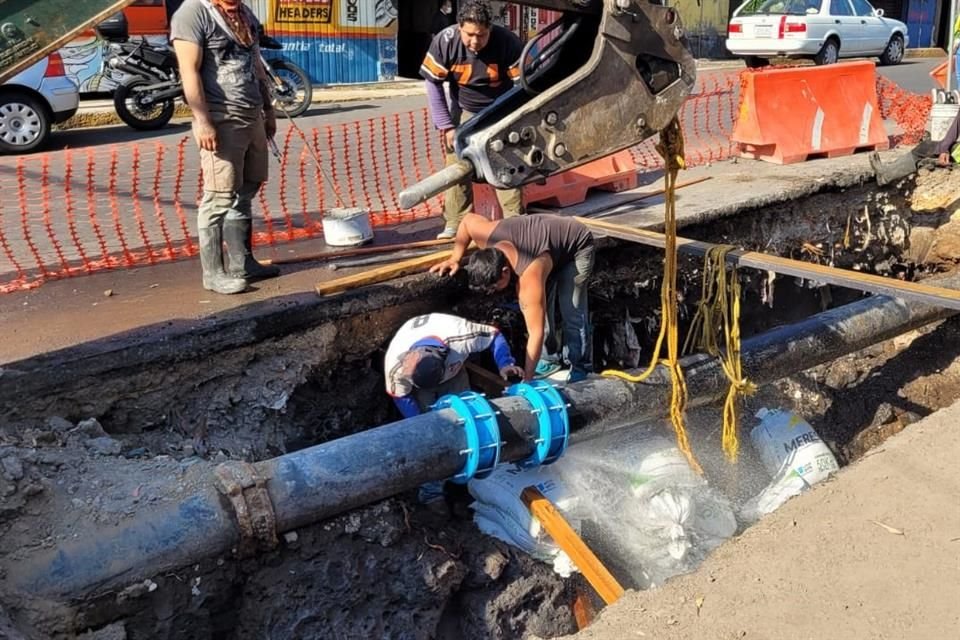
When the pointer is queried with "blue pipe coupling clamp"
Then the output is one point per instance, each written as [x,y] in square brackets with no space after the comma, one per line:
[483,433]
[551,411]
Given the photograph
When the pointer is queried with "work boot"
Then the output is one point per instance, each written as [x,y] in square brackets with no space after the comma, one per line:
[896,169]
[211,261]
[238,234]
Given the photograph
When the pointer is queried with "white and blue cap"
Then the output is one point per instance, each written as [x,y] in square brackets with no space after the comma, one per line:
[430,367]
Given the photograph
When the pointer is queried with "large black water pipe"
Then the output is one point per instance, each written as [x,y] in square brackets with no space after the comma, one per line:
[334,477]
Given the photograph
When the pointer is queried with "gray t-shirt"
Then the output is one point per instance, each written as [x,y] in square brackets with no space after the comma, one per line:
[227,70]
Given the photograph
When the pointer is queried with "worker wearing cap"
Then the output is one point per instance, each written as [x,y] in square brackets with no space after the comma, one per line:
[425,359]
[479,61]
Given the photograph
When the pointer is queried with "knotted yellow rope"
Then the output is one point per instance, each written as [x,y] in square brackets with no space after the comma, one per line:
[671,149]
[719,307]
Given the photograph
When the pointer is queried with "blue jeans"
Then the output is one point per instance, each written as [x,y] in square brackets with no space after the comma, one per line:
[567,289]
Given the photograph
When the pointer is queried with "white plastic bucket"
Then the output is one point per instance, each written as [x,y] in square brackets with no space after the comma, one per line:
[347,227]
[941,117]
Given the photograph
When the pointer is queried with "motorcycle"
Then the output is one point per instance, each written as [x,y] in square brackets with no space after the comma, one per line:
[150,85]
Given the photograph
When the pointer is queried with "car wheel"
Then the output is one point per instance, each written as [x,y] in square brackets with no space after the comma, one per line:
[893,54]
[829,53]
[754,62]
[24,123]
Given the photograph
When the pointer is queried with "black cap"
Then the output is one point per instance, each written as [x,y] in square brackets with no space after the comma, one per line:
[430,367]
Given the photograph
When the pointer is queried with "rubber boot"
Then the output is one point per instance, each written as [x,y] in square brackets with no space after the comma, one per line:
[894,170]
[238,234]
[211,261]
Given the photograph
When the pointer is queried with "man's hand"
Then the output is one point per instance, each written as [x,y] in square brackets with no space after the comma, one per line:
[270,122]
[205,134]
[511,370]
[943,159]
[448,267]
[448,140]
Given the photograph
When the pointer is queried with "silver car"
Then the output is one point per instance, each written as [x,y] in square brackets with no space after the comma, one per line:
[32,101]
[822,30]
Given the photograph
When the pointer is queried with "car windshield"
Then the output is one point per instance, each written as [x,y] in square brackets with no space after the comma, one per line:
[780,7]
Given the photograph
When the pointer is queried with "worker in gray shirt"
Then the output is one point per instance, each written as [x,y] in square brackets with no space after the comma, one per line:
[225,85]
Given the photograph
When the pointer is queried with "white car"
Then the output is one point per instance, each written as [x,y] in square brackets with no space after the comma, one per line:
[823,30]
[32,101]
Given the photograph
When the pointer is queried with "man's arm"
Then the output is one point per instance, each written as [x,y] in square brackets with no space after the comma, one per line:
[189,58]
[532,295]
[434,71]
[440,113]
[506,364]
[471,229]
[269,115]
[408,406]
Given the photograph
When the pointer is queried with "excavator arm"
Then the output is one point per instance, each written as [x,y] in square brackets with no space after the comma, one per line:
[606,76]
[32,29]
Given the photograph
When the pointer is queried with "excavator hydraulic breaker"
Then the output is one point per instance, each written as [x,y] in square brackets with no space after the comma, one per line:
[606,76]
[31,29]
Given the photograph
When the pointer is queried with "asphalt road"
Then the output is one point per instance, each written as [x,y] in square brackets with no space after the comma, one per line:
[913,74]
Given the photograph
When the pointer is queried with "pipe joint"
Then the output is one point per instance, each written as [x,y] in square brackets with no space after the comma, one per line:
[247,492]
[550,408]
[482,432]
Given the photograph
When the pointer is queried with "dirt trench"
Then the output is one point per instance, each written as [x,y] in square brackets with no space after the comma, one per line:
[101,442]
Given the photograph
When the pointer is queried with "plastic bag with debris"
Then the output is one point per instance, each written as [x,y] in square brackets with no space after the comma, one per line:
[655,513]
[791,452]
[651,513]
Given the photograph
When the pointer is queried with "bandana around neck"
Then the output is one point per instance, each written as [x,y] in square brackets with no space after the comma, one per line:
[236,20]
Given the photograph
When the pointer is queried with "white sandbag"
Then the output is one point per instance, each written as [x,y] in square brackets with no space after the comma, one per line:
[494,522]
[503,487]
[793,453]
[500,512]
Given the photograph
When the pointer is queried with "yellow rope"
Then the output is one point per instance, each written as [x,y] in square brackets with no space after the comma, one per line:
[719,307]
[671,148]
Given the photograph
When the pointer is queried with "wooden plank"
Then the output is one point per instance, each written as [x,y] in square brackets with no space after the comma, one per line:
[912,291]
[349,253]
[567,539]
[488,381]
[381,274]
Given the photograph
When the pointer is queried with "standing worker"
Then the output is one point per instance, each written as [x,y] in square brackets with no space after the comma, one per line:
[552,258]
[226,88]
[480,60]
[425,359]
[443,18]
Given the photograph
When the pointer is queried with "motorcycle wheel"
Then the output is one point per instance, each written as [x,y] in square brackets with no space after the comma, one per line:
[297,92]
[137,115]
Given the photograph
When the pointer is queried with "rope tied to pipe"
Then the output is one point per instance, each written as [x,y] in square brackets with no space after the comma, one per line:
[719,310]
[671,148]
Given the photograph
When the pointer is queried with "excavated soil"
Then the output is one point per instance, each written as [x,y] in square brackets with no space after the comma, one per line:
[106,444]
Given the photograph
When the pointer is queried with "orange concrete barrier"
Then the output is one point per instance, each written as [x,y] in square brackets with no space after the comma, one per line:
[939,75]
[795,114]
[616,172]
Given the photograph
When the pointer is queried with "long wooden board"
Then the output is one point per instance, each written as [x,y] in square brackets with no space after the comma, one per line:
[381,274]
[912,291]
[567,539]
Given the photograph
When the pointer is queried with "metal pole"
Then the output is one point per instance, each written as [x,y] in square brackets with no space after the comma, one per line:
[950,53]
